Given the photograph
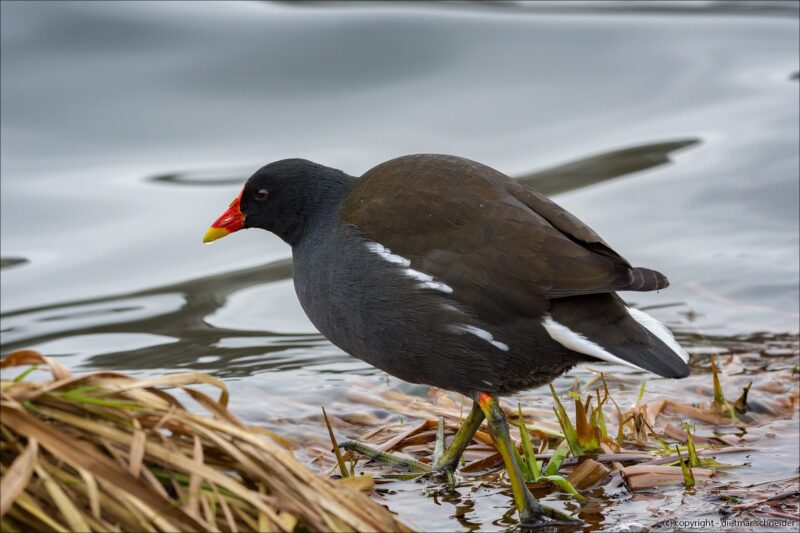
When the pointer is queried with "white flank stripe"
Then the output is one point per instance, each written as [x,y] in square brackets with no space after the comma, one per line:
[436,285]
[659,330]
[387,254]
[426,280]
[416,274]
[578,343]
[482,333]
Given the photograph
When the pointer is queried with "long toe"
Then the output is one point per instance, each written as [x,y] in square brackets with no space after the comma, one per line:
[544,518]
[385,458]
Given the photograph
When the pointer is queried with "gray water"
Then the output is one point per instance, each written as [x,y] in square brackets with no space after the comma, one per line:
[127,128]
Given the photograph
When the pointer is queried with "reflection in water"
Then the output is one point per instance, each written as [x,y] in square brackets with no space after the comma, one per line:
[75,349]
[54,321]
[555,180]
[603,167]
[9,262]
[206,178]
[669,7]
[175,310]
[267,307]
[179,313]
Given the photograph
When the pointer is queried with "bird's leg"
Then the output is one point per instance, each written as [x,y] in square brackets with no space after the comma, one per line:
[452,455]
[529,509]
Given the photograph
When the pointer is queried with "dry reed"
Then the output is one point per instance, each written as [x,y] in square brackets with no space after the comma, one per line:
[108,452]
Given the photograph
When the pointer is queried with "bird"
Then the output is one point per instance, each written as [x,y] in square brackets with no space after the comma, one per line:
[444,271]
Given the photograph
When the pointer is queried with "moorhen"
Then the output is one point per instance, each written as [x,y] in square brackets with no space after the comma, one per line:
[440,270]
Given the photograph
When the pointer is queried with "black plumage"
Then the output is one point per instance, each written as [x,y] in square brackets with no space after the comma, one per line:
[443,271]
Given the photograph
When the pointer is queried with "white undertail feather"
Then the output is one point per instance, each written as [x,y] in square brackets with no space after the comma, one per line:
[578,343]
[659,330]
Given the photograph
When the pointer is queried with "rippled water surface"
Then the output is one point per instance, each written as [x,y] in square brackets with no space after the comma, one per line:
[128,127]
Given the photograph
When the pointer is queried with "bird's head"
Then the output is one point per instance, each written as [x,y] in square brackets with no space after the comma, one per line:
[283,197]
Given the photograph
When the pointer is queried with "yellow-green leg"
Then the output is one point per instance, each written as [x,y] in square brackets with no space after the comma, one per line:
[452,455]
[529,509]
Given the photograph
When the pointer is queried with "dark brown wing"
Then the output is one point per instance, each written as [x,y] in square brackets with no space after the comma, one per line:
[498,244]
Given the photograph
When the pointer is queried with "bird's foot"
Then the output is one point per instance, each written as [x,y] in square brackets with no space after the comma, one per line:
[386,458]
[444,463]
[532,514]
[541,517]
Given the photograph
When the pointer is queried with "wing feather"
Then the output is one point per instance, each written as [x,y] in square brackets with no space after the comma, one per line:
[507,247]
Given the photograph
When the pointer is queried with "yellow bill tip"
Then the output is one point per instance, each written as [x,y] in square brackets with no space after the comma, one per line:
[212,234]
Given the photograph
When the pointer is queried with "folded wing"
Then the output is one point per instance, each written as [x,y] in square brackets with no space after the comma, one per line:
[508,248]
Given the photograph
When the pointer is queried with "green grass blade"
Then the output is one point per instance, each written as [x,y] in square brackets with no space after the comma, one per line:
[558,457]
[103,402]
[25,374]
[527,448]
[598,418]
[566,425]
[641,393]
[565,485]
[720,403]
[693,459]
[688,475]
[588,434]
[527,476]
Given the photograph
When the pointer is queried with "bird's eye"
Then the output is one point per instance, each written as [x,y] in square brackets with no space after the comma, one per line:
[262,195]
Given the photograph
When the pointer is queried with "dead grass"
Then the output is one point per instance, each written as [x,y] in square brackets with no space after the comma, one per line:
[108,452]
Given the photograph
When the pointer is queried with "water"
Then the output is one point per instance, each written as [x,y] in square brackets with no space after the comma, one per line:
[127,128]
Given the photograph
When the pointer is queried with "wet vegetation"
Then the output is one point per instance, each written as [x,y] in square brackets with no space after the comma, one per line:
[584,452]
[105,451]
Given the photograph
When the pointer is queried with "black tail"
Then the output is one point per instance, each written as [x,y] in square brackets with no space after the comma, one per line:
[604,327]
[644,279]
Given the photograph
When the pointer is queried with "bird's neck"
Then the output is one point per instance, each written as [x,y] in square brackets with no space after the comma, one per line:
[319,210]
